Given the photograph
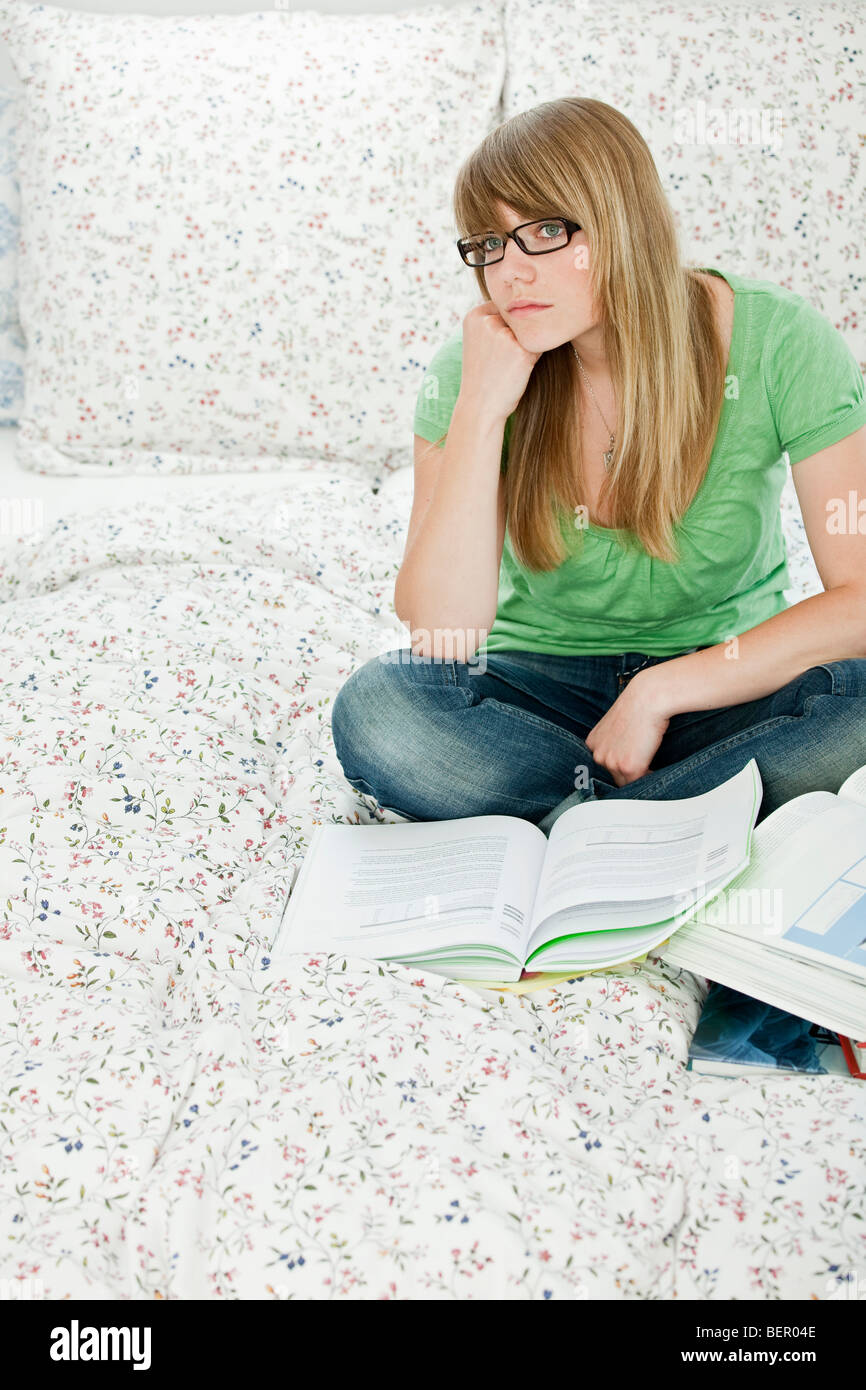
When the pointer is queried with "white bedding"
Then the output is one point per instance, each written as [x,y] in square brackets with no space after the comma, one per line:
[182,1119]
[39,500]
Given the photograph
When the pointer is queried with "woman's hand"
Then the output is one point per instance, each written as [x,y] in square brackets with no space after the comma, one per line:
[496,368]
[626,739]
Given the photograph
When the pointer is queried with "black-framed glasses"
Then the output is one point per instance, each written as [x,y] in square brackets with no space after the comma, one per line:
[535,238]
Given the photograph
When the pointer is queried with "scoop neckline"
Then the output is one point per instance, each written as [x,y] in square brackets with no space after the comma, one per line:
[733,354]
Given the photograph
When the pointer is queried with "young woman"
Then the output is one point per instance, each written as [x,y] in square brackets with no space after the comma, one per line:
[594,569]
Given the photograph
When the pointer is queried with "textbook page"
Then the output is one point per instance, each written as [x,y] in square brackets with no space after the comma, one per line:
[804,895]
[636,863]
[415,889]
[854,787]
[775,829]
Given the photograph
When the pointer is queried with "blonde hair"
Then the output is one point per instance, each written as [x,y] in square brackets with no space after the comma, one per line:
[586,161]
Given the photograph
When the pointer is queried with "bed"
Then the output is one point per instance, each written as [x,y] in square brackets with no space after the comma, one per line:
[184,1118]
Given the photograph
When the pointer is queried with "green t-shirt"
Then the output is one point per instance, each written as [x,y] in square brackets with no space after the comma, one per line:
[792,387]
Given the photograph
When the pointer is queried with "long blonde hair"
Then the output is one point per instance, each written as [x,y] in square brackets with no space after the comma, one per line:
[585,160]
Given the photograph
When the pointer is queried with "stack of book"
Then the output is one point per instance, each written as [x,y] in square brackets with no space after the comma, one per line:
[790,930]
[740,1036]
[775,912]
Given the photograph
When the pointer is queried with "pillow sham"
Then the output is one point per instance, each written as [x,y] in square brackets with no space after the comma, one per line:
[11,340]
[237,244]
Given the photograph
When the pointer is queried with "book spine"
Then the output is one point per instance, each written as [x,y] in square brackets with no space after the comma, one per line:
[853,1064]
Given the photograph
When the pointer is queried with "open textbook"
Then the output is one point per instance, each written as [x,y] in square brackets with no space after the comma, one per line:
[483,896]
[791,928]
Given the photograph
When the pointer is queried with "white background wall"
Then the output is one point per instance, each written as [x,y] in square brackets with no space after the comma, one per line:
[8,76]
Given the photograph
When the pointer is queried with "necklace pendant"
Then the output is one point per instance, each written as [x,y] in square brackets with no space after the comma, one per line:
[608,457]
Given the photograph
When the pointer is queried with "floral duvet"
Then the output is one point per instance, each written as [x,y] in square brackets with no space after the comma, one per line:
[183,1118]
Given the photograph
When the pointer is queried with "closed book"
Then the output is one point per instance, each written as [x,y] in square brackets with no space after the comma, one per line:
[738,1035]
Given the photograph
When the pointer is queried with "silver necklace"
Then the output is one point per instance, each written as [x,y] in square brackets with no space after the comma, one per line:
[608,457]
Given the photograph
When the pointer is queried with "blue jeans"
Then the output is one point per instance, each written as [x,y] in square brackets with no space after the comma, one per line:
[433,738]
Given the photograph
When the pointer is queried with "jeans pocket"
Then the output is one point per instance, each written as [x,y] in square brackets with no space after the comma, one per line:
[847,676]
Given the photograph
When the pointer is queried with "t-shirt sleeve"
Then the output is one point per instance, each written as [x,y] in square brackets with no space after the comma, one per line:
[814,383]
[439,390]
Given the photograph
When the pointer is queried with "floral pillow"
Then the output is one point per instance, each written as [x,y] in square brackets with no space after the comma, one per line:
[236,230]
[11,340]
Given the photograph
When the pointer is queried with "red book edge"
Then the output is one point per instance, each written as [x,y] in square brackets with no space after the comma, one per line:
[850,1058]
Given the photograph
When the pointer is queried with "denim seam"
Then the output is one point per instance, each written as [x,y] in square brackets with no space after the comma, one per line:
[367,790]
[520,803]
[547,724]
[444,665]
[837,680]
[396,809]
[709,754]
[632,670]
[525,689]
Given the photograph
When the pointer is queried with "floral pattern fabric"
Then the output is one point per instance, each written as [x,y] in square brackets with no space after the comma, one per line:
[184,1117]
[11,339]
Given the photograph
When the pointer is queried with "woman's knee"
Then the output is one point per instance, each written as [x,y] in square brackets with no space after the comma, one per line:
[395,739]
[374,712]
[359,702]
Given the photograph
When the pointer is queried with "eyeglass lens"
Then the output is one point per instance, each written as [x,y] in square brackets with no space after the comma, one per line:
[536,238]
